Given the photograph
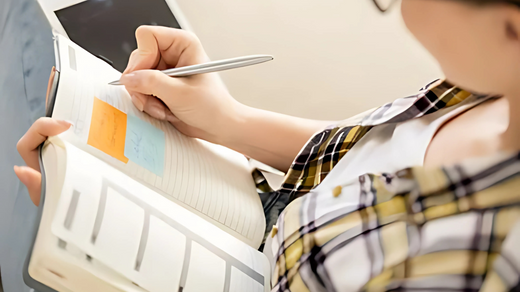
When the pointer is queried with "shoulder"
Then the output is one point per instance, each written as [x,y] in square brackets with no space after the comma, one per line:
[434,96]
[326,148]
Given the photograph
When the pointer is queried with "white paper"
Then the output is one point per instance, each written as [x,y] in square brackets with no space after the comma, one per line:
[213,181]
[207,272]
[109,222]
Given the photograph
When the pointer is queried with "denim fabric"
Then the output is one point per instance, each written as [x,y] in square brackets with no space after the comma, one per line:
[273,203]
[26,58]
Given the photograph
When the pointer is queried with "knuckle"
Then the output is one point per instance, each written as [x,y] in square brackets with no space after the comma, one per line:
[150,80]
[40,122]
[19,145]
[155,78]
[134,53]
[190,36]
[142,29]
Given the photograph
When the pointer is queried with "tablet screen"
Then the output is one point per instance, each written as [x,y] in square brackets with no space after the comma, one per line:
[106,28]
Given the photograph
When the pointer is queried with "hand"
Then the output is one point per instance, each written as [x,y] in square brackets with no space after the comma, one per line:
[30,175]
[198,106]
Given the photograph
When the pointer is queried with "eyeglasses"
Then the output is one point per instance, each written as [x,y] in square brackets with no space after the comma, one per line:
[384,5]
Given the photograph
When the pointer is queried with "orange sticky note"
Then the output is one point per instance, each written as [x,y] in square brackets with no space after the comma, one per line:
[108,130]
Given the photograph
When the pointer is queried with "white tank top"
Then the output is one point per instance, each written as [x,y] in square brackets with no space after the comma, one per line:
[390,148]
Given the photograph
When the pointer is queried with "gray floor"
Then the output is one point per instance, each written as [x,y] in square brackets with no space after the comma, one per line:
[26,58]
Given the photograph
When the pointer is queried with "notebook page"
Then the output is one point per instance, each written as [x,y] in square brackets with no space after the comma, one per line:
[212,181]
[147,238]
[60,265]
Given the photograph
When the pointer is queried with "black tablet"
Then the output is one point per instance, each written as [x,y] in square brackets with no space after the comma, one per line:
[106,28]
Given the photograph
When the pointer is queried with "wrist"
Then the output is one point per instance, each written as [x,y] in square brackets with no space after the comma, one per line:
[232,126]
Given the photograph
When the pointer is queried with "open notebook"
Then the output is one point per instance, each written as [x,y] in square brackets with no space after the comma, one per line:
[131,204]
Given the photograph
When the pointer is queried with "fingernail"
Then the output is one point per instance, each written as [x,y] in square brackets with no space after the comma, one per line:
[128,79]
[137,102]
[64,123]
[157,111]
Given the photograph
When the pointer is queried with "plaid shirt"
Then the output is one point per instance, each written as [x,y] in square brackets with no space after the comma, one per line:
[440,229]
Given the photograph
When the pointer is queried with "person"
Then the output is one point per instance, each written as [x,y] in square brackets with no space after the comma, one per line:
[421,194]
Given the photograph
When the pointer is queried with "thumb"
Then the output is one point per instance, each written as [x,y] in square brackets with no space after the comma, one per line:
[32,180]
[152,82]
[142,59]
[147,54]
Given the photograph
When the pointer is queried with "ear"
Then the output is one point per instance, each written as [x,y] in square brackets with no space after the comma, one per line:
[512,25]
[511,31]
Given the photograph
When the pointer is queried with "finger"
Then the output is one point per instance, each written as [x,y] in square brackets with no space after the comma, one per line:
[138,99]
[32,179]
[148,54]
[131,61]
[153,82]
[39,131]
[173,47]
[141,61]
[157,109]
[152,106]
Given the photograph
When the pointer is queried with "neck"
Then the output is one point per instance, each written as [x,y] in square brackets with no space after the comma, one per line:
[511,137]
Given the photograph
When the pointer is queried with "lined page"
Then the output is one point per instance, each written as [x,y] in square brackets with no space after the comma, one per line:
[210,180]
[148,239]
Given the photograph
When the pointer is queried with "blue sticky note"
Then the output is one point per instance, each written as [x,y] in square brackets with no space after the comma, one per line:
[145,144]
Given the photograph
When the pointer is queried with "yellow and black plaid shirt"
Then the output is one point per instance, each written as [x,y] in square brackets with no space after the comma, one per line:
[447,229]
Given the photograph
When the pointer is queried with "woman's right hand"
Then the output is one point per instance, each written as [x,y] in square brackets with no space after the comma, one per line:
[198,106]
[30,175]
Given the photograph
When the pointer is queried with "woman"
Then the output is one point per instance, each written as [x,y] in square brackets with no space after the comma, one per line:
[445,213]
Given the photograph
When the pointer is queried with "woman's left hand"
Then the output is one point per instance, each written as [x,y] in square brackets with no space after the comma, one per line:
[30,175]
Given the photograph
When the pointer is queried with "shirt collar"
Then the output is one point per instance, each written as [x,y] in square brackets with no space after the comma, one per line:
[436,95]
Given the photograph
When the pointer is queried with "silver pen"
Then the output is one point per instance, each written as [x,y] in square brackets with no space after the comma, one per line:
[213,66]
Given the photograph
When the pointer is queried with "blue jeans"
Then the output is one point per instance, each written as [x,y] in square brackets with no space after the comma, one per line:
[26,58]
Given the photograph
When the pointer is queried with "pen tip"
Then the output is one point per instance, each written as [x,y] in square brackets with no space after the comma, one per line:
[114,83]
